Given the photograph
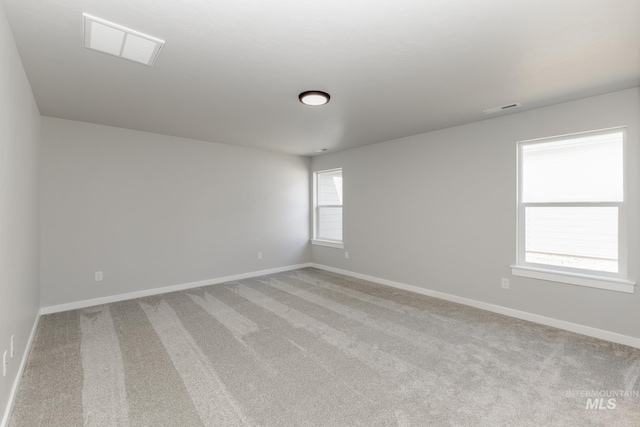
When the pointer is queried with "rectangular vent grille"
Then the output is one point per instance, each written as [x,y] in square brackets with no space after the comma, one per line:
[502,108]
[116,40]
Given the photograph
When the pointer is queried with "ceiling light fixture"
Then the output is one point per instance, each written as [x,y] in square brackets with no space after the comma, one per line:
[314,97]
[114,39]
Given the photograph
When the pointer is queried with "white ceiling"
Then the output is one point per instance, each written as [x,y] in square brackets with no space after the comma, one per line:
[231,70]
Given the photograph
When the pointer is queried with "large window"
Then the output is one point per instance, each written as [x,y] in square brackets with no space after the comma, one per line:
[328,208]
[571,210]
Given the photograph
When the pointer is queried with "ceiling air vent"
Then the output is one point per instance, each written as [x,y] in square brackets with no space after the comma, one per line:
[114,39]
[502,108]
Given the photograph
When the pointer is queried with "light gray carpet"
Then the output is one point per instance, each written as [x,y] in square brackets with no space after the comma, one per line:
[311,348]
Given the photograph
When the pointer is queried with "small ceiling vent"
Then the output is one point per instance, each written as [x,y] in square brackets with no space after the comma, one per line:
[502,108]
[114,39]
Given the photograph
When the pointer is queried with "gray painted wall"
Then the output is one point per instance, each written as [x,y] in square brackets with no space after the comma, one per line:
[152,211]
[437,210]
[19,127]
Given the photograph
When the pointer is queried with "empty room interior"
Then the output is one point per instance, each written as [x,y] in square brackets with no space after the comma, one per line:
[319,213]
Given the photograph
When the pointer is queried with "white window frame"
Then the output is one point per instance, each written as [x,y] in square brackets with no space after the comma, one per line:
[575,276]
[316,209]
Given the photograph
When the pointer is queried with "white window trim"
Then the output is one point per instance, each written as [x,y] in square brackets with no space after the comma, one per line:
[327,243]
[339,244]
[609,283]
[594,279]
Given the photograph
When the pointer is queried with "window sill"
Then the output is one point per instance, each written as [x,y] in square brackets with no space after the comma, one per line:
[327,243]
[612,284]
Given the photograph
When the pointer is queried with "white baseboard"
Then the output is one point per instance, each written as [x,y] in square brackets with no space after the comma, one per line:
[165,289]
[16,381]
[535,318]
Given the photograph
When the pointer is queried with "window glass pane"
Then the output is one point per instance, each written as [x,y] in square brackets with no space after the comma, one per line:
[577,169]
[576,237]
[330,223]
[330,188]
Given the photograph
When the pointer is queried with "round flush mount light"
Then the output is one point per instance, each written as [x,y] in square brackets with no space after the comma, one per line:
[314,97]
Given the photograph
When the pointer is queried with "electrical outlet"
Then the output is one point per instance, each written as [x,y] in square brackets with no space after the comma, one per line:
[12,345]
[346,255]
[4,364]
[505,283]
[259,255]
[99,276]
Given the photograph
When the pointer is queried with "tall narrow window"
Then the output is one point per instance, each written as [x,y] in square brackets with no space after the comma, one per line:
[571,205]
[328,208]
